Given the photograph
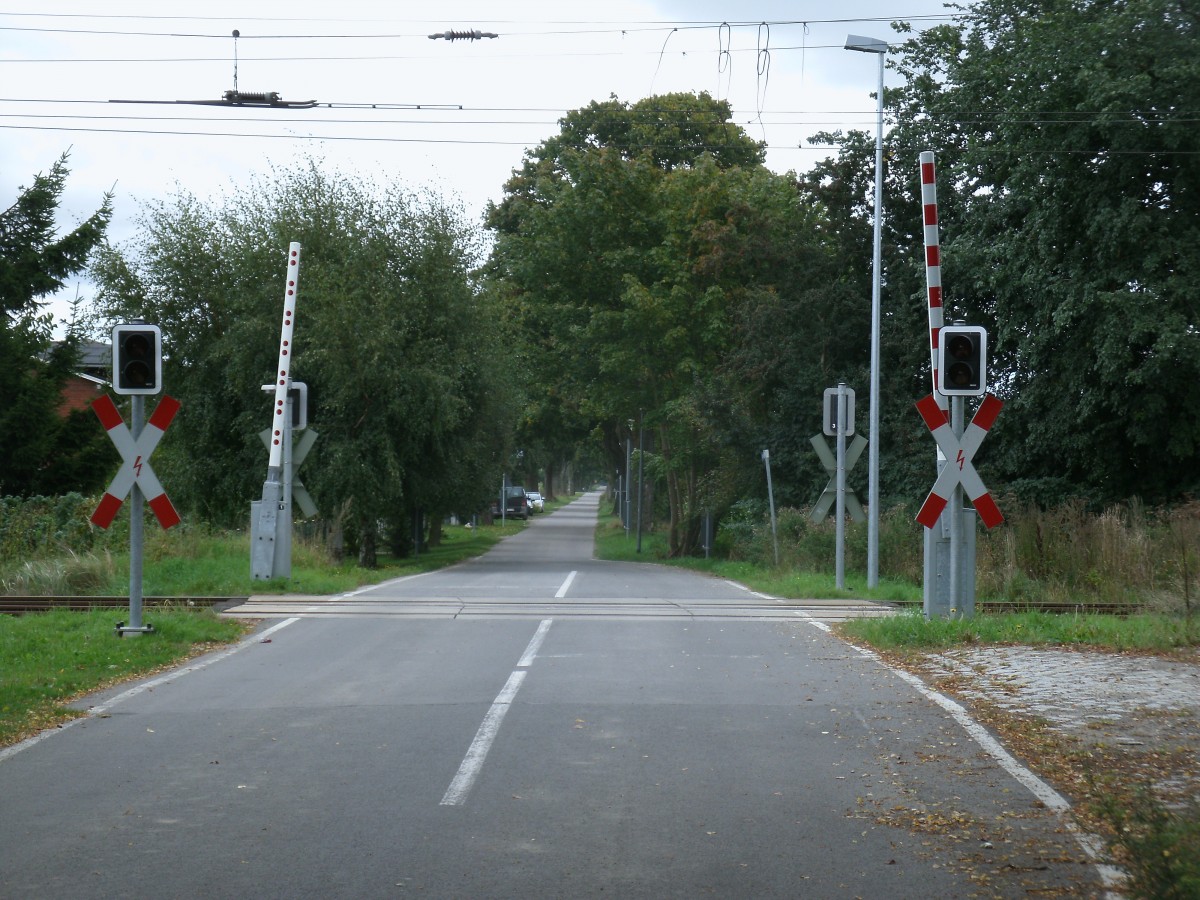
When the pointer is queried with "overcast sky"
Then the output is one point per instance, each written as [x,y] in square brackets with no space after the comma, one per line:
[482,103]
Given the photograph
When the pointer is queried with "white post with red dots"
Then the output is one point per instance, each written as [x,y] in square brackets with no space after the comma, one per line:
[280,421]
[271,518]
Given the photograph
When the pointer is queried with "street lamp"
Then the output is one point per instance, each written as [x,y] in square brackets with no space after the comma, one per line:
[874,45]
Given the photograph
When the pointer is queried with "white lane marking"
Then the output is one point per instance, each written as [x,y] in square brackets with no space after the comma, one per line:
[388,583]
[758,594]
[468,770]
[101,708]
[535,644]
[1111,876]
[562,591]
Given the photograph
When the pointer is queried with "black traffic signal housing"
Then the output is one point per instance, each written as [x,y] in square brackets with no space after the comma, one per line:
[298,394]
[137,359]
[962,361]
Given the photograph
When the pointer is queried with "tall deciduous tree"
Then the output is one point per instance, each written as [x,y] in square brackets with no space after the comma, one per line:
[633,246]
[39,449]
[1069,169]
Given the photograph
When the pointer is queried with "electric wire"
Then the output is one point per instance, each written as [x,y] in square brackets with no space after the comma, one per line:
[608,27]
[1016,150]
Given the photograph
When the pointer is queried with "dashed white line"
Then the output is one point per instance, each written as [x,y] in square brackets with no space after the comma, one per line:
[562,591]
[535,644]
[472,763]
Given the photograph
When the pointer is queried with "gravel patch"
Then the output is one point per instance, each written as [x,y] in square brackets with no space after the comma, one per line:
[1126,703]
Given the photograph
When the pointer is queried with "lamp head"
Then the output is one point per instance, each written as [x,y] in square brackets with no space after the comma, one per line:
[865,44]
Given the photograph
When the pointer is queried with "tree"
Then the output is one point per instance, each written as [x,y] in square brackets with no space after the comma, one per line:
[390,336]
[632,246]
[1069,171]
[35,262]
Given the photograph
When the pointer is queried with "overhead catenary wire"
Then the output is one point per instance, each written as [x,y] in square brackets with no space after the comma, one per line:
[996,149]
[1131,117]
[1052,116]
[517,26]
[378,57]
[609,27]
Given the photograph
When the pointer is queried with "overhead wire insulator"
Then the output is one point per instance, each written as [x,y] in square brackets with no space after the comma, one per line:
[468,35]
[253,98]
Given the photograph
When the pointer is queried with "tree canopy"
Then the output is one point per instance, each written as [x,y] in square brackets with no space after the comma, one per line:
[406,373]
[640,270]
[1069,181]
[42,451]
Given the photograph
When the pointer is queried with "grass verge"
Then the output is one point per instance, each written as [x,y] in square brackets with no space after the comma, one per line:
[55,657]
[613,543]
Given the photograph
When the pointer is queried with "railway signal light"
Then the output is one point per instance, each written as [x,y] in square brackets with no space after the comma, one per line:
[962,361]
[137,359]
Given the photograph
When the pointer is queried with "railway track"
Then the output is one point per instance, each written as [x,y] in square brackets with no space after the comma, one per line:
[16,605]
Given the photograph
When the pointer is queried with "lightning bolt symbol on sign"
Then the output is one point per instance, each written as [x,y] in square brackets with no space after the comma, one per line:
[961,460]
[137,465]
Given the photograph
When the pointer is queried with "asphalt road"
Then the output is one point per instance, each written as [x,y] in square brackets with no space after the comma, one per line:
[531,724]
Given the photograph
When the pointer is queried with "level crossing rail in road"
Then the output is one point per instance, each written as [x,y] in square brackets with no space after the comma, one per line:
[768,609]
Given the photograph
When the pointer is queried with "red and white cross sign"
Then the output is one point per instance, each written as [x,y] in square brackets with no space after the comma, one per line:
[135,461]
[959,468]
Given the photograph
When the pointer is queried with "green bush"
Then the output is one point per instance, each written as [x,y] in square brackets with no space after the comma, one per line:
[1158,845]
[41,527]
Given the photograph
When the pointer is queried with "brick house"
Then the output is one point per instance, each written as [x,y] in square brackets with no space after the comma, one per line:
[90,380]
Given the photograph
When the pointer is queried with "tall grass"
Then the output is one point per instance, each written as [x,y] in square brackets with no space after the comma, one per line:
[1157,844]
[188,560]
[1126,554]
[784,581]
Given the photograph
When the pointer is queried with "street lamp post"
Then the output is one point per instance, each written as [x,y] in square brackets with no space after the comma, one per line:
[880,48]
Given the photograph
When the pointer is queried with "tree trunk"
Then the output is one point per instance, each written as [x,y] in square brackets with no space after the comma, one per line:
[682,490]
[337,534]
[673,498]
[367,557]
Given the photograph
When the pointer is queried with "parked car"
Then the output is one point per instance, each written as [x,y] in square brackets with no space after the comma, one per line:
[536,503]
[516,503]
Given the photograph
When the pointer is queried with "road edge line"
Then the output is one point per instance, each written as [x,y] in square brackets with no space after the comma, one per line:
[1110,876]
[92,712]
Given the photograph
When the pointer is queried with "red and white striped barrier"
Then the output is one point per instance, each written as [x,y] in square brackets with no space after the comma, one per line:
[959,469]
[135,461]
[933,265]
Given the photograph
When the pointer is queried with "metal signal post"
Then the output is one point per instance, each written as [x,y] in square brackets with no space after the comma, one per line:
[137,373]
